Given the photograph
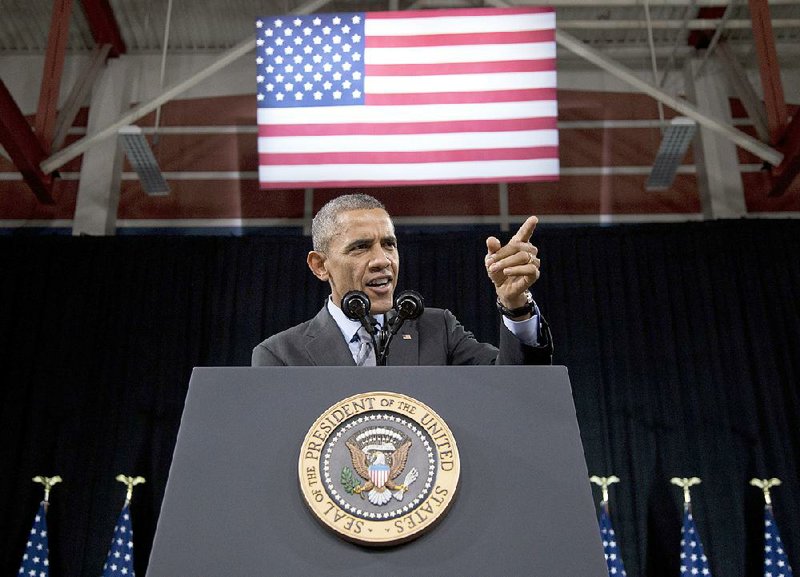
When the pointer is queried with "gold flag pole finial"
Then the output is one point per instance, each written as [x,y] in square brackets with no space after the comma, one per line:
[130,482]
[48,483]
[604,483]
[685,483]
[765,485]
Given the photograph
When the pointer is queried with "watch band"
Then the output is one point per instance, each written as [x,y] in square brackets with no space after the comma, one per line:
[528,307]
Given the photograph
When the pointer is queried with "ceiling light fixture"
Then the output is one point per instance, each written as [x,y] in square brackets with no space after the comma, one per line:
[142,160]
[674,144]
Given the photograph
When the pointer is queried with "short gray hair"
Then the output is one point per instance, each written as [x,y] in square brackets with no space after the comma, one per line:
[325,222]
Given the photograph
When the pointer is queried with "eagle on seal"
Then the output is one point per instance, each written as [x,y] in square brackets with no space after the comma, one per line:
[379,471]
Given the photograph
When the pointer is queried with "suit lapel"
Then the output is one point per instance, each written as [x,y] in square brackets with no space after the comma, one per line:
[325,345]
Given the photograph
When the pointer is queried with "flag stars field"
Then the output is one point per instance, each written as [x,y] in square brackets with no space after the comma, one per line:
[120,555]
[693,559]
[35,559]
[610,545]
[776,562]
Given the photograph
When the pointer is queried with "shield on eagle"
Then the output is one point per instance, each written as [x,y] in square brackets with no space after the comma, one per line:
[379,471]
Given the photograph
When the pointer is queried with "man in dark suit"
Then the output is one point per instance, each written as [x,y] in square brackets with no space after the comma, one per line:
[355,248]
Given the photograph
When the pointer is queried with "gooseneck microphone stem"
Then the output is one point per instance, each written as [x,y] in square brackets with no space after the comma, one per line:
[386,338]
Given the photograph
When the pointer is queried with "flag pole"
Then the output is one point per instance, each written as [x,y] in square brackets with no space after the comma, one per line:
[119,560]
[611,549]
[129,482]
[604,483]
[776,560]
[693,558]
[765,485]
[36,558]
[685,483]
[48,483]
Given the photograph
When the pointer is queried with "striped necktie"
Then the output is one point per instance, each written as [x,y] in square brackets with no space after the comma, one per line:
[366,352]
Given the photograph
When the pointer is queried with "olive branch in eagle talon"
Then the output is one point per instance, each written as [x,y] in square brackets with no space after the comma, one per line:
[379,471]
[349,480]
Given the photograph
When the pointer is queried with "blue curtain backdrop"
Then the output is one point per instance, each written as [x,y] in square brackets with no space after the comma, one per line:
[682,342]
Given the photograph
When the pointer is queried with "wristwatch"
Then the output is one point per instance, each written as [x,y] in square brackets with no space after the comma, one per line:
[528,307]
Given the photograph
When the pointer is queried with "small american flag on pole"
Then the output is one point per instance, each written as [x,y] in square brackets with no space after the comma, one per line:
[119,561]
[407,98]
[776,562]
[35,560]
[693,559]
[610,546]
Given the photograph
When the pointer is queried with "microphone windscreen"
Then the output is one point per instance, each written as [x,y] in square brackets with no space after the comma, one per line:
[355,305]
[409,304]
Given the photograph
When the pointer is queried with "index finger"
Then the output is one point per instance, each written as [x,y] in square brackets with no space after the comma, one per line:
[526,230]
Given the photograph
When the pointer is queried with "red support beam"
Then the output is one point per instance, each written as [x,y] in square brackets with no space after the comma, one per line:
[764,40]
[786,173]
[23,147]
[103,24]
[51,76]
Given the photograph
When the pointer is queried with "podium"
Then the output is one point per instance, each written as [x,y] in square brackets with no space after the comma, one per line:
[233,505]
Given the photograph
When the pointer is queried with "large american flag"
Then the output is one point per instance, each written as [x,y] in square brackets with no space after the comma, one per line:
[119,561]
[405,98]
[693,559]
[776,562]
[610,546]
[35,560]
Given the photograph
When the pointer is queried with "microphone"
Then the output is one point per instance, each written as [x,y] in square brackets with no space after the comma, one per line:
[409,305]
[356,306]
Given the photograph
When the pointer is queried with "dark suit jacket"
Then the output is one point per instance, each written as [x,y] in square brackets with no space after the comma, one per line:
[435,338]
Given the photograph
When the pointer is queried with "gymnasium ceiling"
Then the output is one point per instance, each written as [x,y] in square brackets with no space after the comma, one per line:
[630,31]
[642,34]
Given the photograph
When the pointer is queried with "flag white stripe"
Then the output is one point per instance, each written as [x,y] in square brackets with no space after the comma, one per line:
[468,53]
[408,172]
[458,82]
[407,113]
[458,24]
[407,142]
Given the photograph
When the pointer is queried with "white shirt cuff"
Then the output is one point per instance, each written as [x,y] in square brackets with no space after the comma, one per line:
[526,331]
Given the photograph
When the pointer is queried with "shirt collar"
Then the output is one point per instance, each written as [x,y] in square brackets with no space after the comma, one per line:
[347,326]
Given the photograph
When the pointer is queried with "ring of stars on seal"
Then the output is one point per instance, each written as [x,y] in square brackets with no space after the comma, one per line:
[418,432]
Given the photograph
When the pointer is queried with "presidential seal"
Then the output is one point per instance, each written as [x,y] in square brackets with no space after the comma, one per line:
[379,468]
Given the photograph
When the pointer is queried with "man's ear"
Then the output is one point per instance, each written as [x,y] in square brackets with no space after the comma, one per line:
[316,262]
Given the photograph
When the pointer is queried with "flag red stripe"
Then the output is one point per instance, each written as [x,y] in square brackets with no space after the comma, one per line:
[366,157]
[479,38]
[267,185]
[460,68]
[446,13]
[461,97]
[549,122]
